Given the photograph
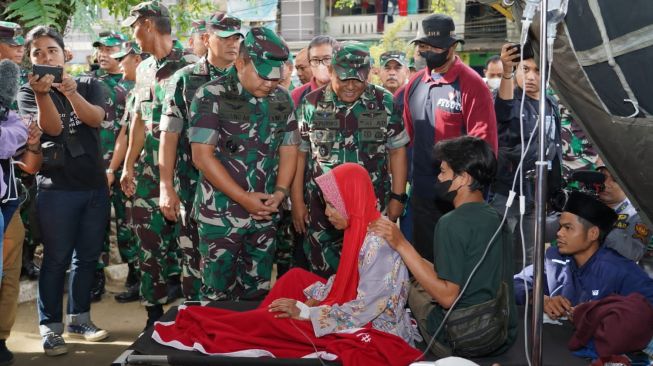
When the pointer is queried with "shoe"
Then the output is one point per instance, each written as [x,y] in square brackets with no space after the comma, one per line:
[98,286]
[6,357]
[31,271]
[132,284]
[131,295]
[174,289]
[133,275]
[154,313]
[87,331]
[54,345]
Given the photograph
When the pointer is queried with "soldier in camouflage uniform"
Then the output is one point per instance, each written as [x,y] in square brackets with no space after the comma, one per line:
[223,38]
[348,120]
[12,47]
[196,41]
[115,92]
[245,148]
[578,153]
[129,57]
[150,22]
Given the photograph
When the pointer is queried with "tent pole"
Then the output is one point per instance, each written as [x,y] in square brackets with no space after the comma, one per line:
[540,201]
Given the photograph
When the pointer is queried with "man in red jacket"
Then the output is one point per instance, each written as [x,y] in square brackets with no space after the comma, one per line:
[444,100]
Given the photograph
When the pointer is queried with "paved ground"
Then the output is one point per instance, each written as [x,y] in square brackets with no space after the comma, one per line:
[123,321]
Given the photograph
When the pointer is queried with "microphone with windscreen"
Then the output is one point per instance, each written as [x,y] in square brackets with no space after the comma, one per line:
[9,77]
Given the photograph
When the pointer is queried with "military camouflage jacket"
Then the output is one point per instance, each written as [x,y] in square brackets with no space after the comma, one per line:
[247,133]
[152,79]
[115,91]
[362,132]
[176,110]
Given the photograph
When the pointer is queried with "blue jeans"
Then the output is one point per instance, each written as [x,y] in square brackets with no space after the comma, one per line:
[73,225]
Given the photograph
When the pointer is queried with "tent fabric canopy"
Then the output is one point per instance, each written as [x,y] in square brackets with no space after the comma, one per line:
[602,71]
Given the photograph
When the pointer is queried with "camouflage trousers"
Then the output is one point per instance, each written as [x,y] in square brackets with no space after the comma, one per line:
[157,244]
[124,234]
[287,242]
[322,242]
[191,278]
[236,262]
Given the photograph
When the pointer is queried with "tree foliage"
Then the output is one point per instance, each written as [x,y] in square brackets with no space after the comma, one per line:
[443,7]
[85,14]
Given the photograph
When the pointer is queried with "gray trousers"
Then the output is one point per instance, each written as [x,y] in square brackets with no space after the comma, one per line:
[512,222]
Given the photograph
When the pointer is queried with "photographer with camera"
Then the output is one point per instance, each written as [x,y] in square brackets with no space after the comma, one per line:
[73,198]
[507,105]
[630,234]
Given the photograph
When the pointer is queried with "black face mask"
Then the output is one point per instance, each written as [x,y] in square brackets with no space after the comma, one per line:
[442,191]
[433,59]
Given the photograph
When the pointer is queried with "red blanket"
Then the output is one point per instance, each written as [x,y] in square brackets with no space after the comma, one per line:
[258,333]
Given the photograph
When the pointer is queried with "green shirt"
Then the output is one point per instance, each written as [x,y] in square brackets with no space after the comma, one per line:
[461,237]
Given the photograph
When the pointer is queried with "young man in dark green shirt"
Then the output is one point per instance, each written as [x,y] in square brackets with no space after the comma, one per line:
[468,166]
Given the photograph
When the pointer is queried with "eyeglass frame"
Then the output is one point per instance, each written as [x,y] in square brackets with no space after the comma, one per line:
[314,62]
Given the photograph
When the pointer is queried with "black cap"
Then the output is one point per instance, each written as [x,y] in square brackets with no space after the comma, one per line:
[591,209]
[438,30]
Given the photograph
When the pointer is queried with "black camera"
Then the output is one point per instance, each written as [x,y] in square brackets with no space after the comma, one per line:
[587,181]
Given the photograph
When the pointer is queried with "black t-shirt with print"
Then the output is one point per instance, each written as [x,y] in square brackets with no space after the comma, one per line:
[85,171]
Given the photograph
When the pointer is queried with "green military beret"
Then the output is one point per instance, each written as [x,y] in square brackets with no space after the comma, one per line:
[129,48]
[198,26]
[145,9]
[267,51]
[223,25]
[11,33]
[352,61]
[110,39]
[398,56]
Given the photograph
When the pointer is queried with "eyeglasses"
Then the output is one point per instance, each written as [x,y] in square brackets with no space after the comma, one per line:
[316,62]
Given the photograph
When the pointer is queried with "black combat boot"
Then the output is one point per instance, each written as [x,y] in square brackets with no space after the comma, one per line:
[154,313]
[174,288]
[132,285]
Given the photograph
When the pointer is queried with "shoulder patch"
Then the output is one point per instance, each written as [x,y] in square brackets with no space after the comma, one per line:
[641,232]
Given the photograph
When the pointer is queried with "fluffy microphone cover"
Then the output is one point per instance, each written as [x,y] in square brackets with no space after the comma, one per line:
[9,76]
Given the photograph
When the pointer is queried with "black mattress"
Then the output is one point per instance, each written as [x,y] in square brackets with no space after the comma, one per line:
[554,350]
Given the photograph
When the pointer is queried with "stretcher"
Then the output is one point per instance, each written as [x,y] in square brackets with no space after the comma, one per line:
[145,351]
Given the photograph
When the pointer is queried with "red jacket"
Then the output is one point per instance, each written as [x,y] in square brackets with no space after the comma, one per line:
[476,114]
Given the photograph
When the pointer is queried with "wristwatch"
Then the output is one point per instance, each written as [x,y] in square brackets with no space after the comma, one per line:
[109,171]
[402,198]
[283,190]
[511,75]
